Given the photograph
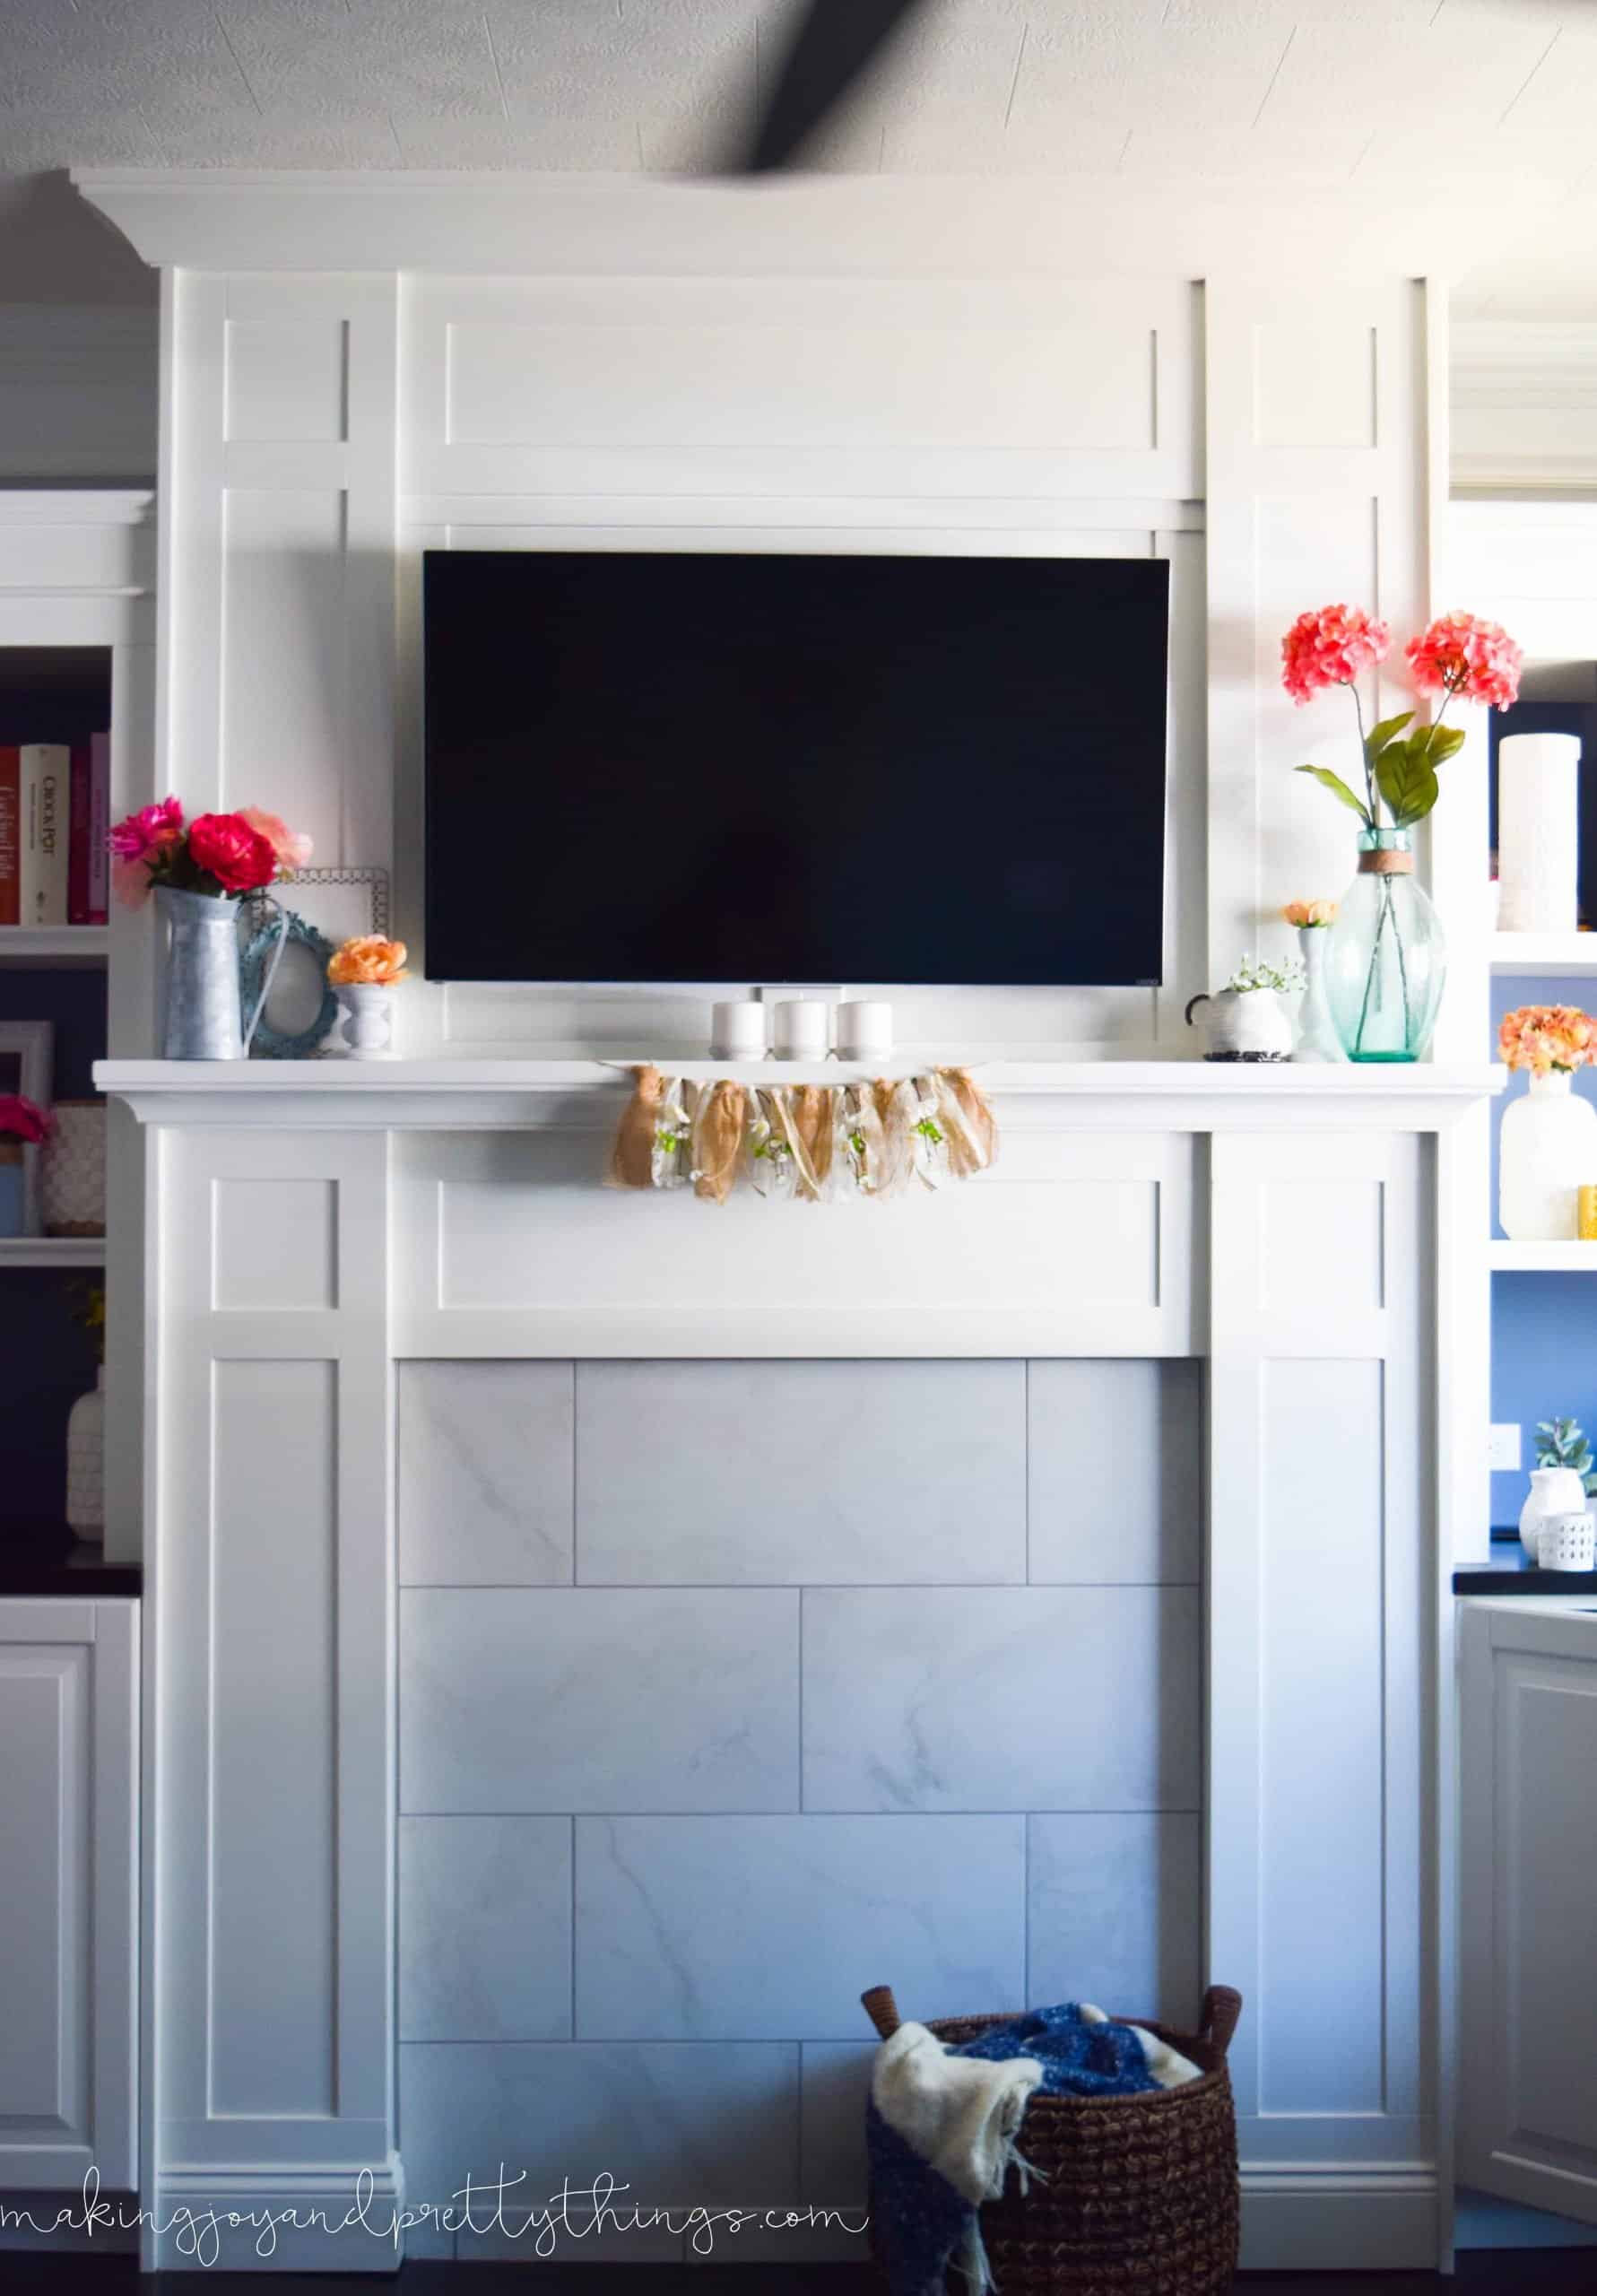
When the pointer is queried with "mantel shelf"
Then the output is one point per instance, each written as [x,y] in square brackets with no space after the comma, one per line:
[578,1090]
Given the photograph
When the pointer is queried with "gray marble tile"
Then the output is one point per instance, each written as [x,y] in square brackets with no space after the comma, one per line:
[698,1929]
[1001,1698]
[1115,1470]
[1117,1913]
[670,2126]
[484,1929]
[786,1472]
[583,1698]
[835,2082]
[485,1474]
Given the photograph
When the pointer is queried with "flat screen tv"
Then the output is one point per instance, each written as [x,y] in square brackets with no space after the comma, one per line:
[648,766]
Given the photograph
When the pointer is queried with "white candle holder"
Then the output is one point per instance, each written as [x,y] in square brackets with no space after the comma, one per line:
[801,1030]
[865,1030]
[737,1032]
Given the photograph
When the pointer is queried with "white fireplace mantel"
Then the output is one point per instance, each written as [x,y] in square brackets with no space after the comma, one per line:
[1315,1237]
[584,1094]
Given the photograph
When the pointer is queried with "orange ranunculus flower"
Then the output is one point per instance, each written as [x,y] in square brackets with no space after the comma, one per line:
[1302,913]
[368,961]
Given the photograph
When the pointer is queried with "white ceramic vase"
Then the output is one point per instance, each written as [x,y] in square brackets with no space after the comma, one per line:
[85,1462]
[1244,1024]
[1317,1039]
[1538,831]
[1547,1150]
[367,1020]
[1554,1491]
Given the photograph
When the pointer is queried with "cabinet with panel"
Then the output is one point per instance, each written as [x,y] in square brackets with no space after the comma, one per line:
[1528,2123]
[68,1826]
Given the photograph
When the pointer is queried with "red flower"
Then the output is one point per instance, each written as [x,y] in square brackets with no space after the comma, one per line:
[22,1119]
[232,851]
[1332,646]
[1461,653]
[147,834]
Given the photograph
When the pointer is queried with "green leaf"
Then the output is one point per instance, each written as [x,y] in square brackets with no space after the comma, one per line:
[1441,741]
[1377,737]
[1405,778]
[1339,789]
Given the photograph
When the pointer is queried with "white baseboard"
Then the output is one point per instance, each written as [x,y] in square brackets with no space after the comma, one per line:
[1365,2217]
[239,2217]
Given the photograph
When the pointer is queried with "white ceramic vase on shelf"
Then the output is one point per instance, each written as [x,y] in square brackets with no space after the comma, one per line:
[367,1022]
[1554,1491]
[1317,1039]
[1538,831]
[85,1462]
[1548,1150]
[1244,1024]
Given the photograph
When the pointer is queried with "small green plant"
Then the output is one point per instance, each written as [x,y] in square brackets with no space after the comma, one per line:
[1562,1443]
[1256,972]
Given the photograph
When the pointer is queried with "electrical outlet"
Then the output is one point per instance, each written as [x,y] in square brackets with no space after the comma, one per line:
[1503,1450]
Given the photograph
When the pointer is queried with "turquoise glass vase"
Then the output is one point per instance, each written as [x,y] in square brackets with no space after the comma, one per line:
[1387,957]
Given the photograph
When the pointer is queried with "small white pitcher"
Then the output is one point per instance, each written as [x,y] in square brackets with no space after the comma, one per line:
[1244,1024]
[1554,1491]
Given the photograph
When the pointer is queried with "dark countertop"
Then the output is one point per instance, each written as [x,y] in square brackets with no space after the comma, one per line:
[46,1559]
[1508,1570]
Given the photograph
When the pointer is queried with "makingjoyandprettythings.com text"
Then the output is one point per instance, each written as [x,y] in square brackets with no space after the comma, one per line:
[585,2212]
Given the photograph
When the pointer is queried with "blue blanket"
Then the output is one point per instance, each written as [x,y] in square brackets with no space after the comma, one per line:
[920,2222]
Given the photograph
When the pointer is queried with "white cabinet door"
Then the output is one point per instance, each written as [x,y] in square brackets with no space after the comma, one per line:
[68,1801]
[1528,2010]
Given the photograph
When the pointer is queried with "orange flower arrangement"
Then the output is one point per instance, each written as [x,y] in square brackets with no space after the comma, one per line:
[1303,913]
[1548,1037]
[368,961]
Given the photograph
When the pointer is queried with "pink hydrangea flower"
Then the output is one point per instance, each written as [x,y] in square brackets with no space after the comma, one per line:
[1461,653]
[145,835]
[1332,646]
[293,847]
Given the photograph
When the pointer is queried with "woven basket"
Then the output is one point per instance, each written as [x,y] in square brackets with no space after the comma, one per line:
[1141,2193]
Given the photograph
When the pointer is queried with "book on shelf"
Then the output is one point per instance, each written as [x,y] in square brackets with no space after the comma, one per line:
[55,814]
[10,840]
[46,778]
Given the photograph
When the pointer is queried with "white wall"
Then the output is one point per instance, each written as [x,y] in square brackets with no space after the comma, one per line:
[77,393]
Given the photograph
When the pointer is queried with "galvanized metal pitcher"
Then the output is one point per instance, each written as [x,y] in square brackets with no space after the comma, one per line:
[205,998]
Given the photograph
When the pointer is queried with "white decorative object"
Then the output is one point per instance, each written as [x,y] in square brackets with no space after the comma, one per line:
[1538,831]
[85,1462]
[1244,1024]
[865,1030]
[369,1021]
[1548,1146]
[1317,1039]
[801,1030]
[1554,1491]
[1567,1542]
[72,1170]
[737,1032]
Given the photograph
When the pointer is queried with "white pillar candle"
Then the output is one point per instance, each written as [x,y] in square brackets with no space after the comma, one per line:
[737,1032]
[801,1030]
[1538,832]
[865,1030]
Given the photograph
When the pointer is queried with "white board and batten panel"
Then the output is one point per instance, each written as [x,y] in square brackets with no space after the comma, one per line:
[68,1835]
[1070,1245]
[1317,1624]
[1528,1742]
[274,1606]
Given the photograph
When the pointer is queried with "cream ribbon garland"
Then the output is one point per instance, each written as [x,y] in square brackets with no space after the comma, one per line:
[807,1143]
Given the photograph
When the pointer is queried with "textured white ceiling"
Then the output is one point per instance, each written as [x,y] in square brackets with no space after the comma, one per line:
[1277,91]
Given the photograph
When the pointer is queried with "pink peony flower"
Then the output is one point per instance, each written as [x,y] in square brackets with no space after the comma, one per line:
[147,834]
[293,847]
[230,849]
[22,1119]
[1331,647]
[1461,654]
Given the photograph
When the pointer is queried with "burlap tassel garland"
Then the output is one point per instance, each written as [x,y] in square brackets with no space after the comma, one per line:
[807,1143]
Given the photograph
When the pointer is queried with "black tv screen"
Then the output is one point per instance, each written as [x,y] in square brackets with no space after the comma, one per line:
[647,766]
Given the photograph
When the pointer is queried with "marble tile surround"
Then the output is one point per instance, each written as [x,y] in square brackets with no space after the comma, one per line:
[728,1689]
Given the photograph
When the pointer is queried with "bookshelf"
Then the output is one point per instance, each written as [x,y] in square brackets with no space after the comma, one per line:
[77,654]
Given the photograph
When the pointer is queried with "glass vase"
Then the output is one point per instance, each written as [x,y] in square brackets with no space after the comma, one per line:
[1548,1147]
[1317,1039]
[1387,957]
